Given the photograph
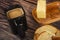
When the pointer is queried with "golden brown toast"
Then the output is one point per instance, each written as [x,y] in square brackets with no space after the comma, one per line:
[52,13]
[46,32]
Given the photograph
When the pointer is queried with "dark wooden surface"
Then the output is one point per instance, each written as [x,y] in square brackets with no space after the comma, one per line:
[6,32]
[28,5]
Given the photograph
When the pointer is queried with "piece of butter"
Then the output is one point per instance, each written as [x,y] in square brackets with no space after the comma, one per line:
[41,9]
[15,13]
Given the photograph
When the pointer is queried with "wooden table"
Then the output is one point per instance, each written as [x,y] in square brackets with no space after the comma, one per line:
[28,6]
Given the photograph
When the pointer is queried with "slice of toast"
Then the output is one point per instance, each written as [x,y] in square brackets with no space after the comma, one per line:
[52,13]
[46,28]
[45,32]
[45,36]
[48,36]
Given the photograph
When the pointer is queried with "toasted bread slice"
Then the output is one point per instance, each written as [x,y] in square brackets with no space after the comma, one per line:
[45,36]
[52,13]
[45,32]
[46,28]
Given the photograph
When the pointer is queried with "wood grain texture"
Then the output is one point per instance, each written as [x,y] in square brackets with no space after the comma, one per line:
[32,24]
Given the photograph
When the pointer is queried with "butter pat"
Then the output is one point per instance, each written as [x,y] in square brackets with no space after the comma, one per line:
[15,13]
[41,9]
